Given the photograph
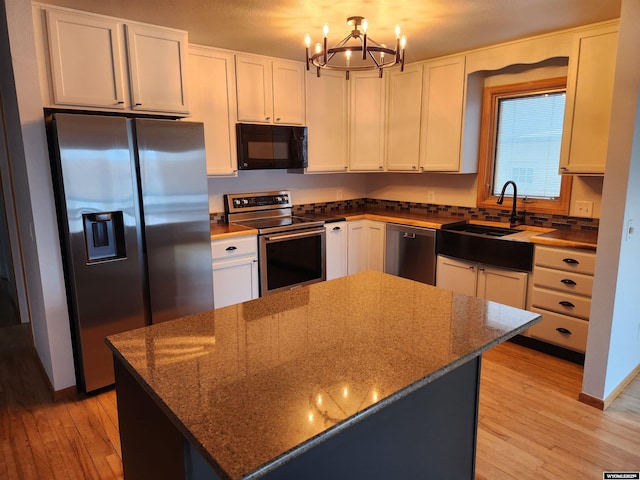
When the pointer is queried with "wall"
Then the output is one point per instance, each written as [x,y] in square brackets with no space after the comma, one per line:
[33,191]
[613,345]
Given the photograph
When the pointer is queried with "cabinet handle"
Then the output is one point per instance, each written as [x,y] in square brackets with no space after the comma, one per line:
[336,228]
[278,119]
[414,167]
[380,166]
[138,104]
[119,103]
[231,248]
[564,303]
[568,281]
[267,118]
[571,261]
[472,268]
[563,330]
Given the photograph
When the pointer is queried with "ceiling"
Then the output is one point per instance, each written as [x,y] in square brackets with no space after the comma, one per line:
[433,27]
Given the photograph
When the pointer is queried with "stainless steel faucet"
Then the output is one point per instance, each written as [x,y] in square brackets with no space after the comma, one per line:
[514,213]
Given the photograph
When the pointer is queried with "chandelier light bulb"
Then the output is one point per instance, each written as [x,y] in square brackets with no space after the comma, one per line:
[307,40]
[318,47]
[397,31]
[365,25]
[403,42]
[325,30]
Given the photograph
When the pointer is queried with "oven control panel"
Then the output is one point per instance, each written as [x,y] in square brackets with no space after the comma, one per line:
[243,202]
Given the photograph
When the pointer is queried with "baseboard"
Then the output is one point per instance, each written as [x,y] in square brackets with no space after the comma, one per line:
[592,401]
[57,395]
[604,404]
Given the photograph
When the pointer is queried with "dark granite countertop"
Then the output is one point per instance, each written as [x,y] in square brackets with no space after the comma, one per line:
[254,384]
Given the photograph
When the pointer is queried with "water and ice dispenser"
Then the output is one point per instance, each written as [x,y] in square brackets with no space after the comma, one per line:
[104,236]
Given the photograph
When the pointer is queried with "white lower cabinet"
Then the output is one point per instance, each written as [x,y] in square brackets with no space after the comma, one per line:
[365,246]
[336,251]
[235,270]
[561,293]
[500,285]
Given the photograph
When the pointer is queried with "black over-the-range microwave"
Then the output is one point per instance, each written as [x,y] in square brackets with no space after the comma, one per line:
[271,146]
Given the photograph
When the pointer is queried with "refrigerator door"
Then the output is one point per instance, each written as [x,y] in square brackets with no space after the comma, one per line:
[175,205]
[95,196]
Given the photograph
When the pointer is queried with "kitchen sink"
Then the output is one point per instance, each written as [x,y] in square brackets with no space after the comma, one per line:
[487,231]
[485,244]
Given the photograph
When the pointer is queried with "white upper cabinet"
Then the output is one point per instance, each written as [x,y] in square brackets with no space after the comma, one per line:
[269,90]
[443,101]
[85,60]
[366,122]
[288,92]
[212,92]
[157,65]
[87,65]
[588,106]
[404,106]
[327,102]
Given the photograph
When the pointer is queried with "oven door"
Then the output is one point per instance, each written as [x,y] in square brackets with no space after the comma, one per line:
[291,259]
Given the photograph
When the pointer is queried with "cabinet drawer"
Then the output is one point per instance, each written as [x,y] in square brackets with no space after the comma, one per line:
[561,330]
[561,302]
[234,247]
[567,259]
[576,283]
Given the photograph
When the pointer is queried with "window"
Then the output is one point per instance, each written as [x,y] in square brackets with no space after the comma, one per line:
[520,141]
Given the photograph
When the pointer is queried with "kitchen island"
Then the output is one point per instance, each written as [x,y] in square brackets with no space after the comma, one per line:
[366,376]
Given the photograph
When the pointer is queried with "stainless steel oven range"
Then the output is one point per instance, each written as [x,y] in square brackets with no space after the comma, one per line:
[291,249]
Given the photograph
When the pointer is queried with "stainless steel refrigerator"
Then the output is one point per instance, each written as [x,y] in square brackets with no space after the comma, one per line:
[133,214]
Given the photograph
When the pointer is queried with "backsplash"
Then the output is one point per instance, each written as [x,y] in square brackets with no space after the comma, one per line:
[465,213]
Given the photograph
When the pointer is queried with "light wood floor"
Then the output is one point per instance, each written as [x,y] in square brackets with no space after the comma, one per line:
[531,425]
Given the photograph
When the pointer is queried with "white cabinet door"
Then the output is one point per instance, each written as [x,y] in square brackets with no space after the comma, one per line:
[234,281]
[442,115]
[375,237]
[212,93]
[336,252]
[356,243]
[327,105]
[365,246]
[588,105]
[157,66]
[457,275]
[404,107]
[85,58]
[502,286]
[254,89]
[288,92]
[367,122]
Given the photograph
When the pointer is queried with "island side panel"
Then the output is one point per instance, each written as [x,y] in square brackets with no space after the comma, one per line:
[152,447]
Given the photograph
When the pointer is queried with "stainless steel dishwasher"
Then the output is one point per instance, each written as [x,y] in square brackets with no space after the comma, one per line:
[411,253]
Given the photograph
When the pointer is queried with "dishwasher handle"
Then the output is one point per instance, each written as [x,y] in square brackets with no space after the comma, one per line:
[408,235]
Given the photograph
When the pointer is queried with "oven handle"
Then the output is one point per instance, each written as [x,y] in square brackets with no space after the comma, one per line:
[287,236]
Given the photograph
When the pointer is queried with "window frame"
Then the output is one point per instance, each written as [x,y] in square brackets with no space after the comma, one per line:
[486,157]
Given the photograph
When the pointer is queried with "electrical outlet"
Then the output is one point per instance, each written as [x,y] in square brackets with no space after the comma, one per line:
[431,197]
[629,230]
[584,209]
[339,194]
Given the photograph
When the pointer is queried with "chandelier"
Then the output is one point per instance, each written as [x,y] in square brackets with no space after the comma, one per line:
[356,52]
